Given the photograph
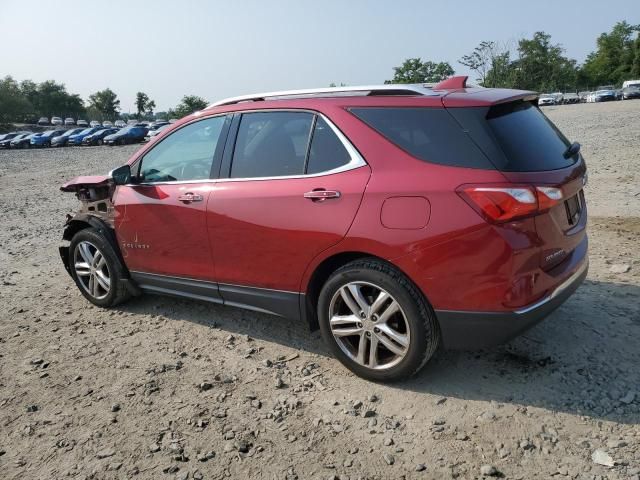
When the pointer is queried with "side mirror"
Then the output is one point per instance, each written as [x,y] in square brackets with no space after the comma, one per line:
[121,175]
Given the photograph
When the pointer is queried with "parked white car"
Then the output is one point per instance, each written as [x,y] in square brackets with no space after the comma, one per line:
[630,83]
[56,121]
[120,123]
[547,99]
[69,121]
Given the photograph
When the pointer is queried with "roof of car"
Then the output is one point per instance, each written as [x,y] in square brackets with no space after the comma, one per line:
[450,92]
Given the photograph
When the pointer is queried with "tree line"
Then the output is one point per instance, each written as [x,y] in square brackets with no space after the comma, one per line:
[26,101]
[539,64]
[529,63]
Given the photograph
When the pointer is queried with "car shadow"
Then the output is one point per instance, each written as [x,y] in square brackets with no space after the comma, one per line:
[581,360]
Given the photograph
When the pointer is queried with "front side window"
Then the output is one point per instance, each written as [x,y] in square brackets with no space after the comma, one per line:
[186,154]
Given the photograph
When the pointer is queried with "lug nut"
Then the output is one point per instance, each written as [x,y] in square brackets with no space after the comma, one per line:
[376,329]
[368,334]
[362,315]
[359,325]
[375,318]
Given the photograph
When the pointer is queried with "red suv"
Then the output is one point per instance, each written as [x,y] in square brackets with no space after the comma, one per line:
[397,218]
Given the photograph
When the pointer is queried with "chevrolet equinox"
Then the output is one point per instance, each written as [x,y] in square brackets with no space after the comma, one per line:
[397,218]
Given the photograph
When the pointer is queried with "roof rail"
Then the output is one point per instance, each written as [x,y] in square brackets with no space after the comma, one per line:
[364,90]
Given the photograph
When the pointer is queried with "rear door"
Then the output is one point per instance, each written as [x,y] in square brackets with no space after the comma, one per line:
[161,219]
[292,189]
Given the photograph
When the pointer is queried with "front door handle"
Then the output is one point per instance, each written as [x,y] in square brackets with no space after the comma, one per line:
[190,197]
[320,194]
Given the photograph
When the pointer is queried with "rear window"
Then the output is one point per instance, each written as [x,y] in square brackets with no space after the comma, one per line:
[529,140]
[429,134]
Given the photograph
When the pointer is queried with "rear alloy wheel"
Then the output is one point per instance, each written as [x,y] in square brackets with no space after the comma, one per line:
[369,325]
[96,268]
[376,322]
[99,142]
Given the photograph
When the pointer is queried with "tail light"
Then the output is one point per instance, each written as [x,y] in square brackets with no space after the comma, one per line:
[504,203]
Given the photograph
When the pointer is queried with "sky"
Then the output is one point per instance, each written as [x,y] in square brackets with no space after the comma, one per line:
[217,49]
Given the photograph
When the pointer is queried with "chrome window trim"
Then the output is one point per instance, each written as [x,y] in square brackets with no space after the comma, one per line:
[356,161]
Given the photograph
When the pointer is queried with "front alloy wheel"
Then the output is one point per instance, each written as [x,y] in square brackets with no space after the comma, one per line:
[92,270]
[96,268]
[369,326]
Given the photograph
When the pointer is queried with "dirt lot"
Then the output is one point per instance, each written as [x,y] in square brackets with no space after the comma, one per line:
[161,388]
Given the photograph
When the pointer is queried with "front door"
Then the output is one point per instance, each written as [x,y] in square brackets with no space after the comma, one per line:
[161,217]
[293,189]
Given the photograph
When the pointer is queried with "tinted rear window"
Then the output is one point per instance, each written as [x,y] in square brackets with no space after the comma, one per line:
[529,140]
[429,134]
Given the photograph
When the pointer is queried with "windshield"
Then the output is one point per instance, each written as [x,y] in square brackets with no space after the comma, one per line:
[86,131]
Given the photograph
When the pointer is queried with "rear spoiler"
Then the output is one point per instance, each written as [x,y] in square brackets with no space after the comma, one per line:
[485,97]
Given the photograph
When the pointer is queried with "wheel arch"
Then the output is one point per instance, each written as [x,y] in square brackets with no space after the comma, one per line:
[309,301]
[81,222]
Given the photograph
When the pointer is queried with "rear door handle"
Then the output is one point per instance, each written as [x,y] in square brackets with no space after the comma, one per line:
[190,197]
[320,194]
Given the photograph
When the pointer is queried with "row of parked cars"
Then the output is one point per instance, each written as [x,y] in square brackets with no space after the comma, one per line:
[630,90]
[96,135]
[67,122]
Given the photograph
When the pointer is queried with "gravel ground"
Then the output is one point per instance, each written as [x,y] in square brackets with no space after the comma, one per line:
[163,388]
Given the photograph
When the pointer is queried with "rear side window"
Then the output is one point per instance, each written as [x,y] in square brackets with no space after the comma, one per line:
[271,144]
[327,151]
[285,143]
[529,140]
[429,134]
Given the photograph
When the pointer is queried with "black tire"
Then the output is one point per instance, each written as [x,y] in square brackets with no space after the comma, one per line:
[99,142]
[420,318]
[117,291]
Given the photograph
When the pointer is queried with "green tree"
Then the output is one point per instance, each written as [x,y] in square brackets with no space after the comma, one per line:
[615,58]
[188,105]
[635,64]
[14,106]
[105,102]
[492,64]
[144,104]
[50,98]
[502,73]
[542,65]
[414,70]
[480,60]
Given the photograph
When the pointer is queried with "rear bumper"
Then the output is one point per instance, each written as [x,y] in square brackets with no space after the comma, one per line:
[472,330]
